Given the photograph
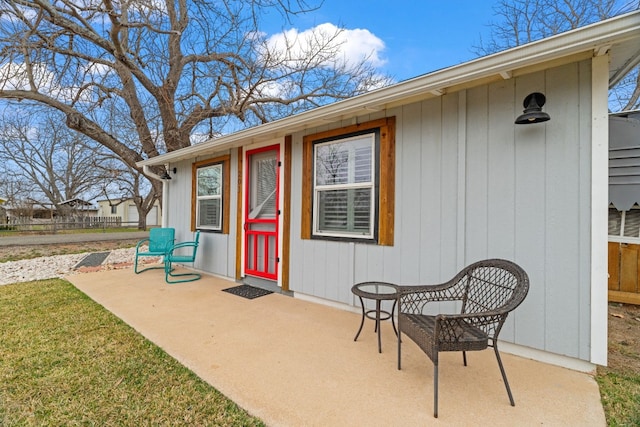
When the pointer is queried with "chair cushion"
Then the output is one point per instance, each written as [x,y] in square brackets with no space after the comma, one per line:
[455,335]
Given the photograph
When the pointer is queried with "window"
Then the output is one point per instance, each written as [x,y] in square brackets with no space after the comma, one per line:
[114,210]
[626,223]
[348,183]
[345,187]
[209,196]
[210,193]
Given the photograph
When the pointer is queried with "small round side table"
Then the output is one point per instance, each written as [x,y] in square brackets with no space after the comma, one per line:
[377,291]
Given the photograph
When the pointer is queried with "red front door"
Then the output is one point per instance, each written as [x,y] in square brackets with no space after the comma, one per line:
[262,212]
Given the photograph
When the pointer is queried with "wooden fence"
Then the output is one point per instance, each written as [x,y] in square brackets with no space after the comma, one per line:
[64,223]
[624,273]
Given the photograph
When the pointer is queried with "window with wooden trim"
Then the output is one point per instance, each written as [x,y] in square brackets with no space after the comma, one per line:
[345,172]
[348,183]
[210,194]
[209,197]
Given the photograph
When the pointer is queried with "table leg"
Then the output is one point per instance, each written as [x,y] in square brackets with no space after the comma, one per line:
[378,324]
[361,321]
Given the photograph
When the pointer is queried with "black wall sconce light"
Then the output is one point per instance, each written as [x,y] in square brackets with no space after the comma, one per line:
[165,174]
[533,110]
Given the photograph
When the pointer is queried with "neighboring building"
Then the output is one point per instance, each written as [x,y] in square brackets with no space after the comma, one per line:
[128,213]
[36,210]
[3,212]
[624,207]
[80,207]
[409,183]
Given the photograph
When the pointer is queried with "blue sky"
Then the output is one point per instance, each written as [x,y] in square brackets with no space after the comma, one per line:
[419,36]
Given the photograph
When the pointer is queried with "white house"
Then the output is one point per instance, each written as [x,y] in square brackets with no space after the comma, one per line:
[624,207]
[3,211]
[410,183]
[127,211]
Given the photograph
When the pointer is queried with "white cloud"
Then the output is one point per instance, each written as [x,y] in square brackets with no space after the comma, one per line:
[14,76]
[98,70]
[351,45]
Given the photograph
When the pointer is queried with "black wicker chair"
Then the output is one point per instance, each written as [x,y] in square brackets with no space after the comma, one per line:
[488,291]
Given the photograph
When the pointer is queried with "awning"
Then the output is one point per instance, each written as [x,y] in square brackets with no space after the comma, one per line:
[623,197]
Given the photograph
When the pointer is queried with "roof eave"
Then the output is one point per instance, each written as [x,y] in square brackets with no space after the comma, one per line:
[597,38]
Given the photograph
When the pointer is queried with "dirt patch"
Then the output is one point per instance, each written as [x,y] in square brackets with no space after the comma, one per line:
[624,338]
[13,253]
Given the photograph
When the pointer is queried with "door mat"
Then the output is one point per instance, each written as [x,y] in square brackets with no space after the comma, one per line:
[92,260]
[246,291]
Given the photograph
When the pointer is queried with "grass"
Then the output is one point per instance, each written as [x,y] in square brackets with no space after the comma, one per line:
[65,360]
[42,229]
[97,230]
[620,395]
[620,381]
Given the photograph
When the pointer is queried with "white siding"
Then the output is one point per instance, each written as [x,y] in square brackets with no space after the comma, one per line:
[470,184]
[467,176]
[216,253]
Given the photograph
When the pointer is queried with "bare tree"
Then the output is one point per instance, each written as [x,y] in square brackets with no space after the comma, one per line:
[120,182]
[46,160]
[15,190]
[172,68]
[523,21]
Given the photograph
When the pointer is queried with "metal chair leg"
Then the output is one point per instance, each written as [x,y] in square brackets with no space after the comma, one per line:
[399,350]
[435,389]
[504,375]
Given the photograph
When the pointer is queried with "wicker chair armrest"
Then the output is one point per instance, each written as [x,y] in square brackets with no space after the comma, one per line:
[412,289]
[412,299]
[438,292]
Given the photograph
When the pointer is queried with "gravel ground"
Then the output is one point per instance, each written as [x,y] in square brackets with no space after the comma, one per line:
[48,267]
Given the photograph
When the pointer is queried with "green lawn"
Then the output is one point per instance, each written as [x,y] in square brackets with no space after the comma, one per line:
[65,360]
[620,393]
[46,229]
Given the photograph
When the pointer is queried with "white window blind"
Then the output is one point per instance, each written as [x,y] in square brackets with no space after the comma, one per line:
[209,197]
[344,187]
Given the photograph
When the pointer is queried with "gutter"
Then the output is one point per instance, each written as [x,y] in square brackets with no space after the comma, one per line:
[165,190]
[597,38]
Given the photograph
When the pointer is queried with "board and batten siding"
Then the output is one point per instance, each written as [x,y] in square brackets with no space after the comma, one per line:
[216,251]
[471,185]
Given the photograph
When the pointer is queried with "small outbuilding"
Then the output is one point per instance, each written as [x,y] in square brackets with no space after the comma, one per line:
[126,211]
[624,207]
[411,182]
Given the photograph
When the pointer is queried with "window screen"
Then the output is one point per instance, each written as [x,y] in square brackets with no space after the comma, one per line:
[344,183]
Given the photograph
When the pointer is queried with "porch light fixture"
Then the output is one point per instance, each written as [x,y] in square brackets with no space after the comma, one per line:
[533,110]
[165,174]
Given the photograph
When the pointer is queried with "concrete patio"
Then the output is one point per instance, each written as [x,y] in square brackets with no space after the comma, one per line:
[292,362]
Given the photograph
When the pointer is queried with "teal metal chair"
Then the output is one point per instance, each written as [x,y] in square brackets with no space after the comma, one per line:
[160,240]
[181,253]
